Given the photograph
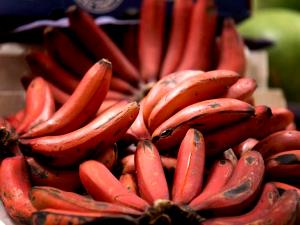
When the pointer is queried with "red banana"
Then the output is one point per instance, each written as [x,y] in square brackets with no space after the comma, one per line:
[15,186]
[96,179]
[205,116]
[180,24]
[99,43]
[48,197]
[129,182]
[40,175]
[16,118]
[232,56]
[241,188]
[206,86]
[201,36]
[264,205]
[59,95]
[234,134]
[44,65]
[66,51]
[71,148]
[279,142]
[189,170]
[151,38]
[82,104]
[221,171]
[107,156]
[39,105]
[151,178]
[245,146]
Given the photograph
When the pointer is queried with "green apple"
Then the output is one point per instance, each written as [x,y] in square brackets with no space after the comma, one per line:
[283,27]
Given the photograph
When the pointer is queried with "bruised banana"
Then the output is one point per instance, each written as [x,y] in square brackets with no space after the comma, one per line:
[189,170]
[64,217]
[284,165]
[95,177]
[218,177]
[71,148]
[44,197]
[15,186]
[151,178]
[204,116]
[264,205]
[240,190]
[279,142]
[41,175]
[244,146]
[82,104]
[209,85]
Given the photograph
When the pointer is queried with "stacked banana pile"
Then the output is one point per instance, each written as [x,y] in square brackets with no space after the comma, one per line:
[178,140]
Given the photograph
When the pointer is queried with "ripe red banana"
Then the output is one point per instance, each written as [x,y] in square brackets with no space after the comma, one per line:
[280,119]
[39,105]
[232,56]
[100,44]
[66,51]
[189,170]
[278,142]
[106,104]
[16,118]
[201,35]
[284,187]
[129,182]
[179,31]
[264,205]
[164,86]
[151,178]
[234,134]
[41,175]
[116,95]
[151,38]
[82,104]
[120,85]
[15,186]
[240,190]
[220,172]
[242,89]
[44,197]
[43,64]
[206,86]
[96,179]
[245,146]
[284,165]
[71,148]
[205,116]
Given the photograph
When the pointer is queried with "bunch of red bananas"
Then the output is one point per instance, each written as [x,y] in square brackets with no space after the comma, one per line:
[195,149]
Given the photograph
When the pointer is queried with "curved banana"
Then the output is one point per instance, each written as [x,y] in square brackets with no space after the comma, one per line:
[82,104]
[107,156]
[39,105]
[245,146]
[264,205]
[151,178]
[15,186]
[204,116]
[129,182]
[71,148]
[242,89]
[279,142]
[96,179]
[164,86]
[44,197]
[241,188]
[200,88]
[100,44]
[234,134]
[189,170]
[41,175]
[220,172]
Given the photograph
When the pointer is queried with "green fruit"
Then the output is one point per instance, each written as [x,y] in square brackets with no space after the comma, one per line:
[283,27]
[291,4]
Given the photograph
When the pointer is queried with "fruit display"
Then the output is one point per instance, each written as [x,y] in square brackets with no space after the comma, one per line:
[155,131]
